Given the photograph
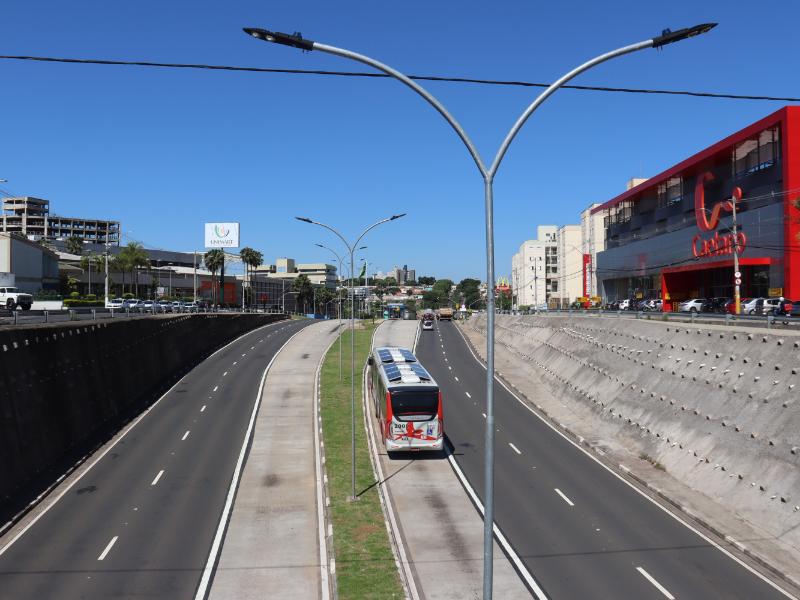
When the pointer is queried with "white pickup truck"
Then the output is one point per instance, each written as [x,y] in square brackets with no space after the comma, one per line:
[11,297]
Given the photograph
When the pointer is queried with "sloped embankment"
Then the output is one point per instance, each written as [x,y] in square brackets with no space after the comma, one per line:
[719,409]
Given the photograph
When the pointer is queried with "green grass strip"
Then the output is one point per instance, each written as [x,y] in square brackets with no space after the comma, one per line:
[365,566]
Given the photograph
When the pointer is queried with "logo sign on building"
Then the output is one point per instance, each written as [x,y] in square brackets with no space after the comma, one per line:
[222,235]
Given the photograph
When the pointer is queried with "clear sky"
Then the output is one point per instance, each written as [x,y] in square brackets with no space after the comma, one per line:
[166,150]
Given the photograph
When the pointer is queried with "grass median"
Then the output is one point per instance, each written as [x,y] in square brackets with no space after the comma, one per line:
[365,566]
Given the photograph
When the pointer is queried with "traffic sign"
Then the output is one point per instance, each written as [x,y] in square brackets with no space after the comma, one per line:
[737,281]
[738,275]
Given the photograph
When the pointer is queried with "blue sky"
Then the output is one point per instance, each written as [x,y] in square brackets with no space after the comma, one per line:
[164,150]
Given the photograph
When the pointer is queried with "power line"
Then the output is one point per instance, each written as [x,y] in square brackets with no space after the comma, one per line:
[513,83]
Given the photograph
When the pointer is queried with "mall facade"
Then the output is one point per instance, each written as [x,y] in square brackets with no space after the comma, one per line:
[672,237]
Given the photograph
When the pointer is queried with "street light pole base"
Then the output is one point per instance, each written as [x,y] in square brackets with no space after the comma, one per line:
[353,498]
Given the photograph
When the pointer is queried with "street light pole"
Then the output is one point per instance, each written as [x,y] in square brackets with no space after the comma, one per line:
[737,296]
[488,174]
[351,248]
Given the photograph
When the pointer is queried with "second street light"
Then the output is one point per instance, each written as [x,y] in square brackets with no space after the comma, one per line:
[488,175]
[351,248]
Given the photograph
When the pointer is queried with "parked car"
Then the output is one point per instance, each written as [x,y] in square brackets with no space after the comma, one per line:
[694,305]
[730,306]
[164,306]
[147,305]
[770,306]
[177,306]
[131,303]
[115,303]
[191,307]
[754,306]
[715,305]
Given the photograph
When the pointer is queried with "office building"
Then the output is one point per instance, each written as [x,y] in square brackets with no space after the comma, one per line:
[31,218]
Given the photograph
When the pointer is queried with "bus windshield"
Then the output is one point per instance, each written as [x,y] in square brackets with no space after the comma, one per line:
[406,405]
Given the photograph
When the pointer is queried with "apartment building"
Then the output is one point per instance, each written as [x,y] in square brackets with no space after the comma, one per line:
[570,266]
[534,268]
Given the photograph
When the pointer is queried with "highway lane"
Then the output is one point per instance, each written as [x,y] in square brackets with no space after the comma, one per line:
[141,522]
[580,530]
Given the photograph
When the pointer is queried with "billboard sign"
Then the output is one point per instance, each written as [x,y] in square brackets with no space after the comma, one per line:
[222,235]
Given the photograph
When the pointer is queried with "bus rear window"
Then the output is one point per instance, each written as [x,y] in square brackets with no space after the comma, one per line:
[406,405]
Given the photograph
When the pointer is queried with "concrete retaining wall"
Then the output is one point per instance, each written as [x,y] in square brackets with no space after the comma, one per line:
[718,408]
[64,388]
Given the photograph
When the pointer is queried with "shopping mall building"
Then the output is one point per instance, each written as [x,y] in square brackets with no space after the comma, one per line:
[671,236]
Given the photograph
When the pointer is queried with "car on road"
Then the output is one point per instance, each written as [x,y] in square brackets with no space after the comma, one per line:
[770,306]
[115,303]
[694,305]
[427,325]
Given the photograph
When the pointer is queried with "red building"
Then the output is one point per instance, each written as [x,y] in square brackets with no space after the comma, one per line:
[671,236]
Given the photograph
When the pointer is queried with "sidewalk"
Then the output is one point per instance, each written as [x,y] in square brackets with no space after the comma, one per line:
[271,548]
[440,528]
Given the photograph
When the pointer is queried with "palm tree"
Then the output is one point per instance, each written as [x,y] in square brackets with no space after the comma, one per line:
[74,245]
[252,259]
[92,262]
[305,290]
[214,259]
[131,257]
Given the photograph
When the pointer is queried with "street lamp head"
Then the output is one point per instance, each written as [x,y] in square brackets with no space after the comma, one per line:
[295,40]
[304,219]
[362,248]
[393,217]
[669,37]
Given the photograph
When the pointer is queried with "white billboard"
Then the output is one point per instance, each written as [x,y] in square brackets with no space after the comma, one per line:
[222,235]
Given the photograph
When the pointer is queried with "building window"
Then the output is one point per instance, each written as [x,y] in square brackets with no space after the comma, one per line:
[670,192]
[756,154]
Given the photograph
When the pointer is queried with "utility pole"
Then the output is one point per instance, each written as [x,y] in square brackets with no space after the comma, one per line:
[106,254]
[737,275]
[194,262]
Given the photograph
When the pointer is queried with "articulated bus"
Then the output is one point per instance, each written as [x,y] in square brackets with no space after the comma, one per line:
[407,401]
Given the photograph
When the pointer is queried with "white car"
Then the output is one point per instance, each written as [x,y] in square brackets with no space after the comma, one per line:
[694,305]
[752,306]
[11,297]
[427,325]
[115,303]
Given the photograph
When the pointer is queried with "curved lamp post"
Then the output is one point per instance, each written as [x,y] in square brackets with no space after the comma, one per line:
[487,173]
[351,248]
[339,300]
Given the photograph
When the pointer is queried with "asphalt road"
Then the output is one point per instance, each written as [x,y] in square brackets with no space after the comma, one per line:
[580,530]
[140,523]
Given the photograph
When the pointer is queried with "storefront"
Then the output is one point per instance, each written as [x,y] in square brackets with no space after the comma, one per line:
[673,236]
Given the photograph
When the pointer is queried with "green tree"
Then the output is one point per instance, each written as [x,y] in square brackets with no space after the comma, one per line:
[252,259]
[425,280]
[213,260]
[305,290]
[74,245]
[130,258]
[468,291]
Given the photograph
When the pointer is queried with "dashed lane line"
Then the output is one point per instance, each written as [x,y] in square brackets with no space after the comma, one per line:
[155,481]
[564,497]
[185,435]
[216,387]
[225,373]
[468,395]
[108,548]
[657,585]
[514,448]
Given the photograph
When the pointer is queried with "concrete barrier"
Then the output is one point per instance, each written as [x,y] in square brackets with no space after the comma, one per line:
[717,407]
[67,387]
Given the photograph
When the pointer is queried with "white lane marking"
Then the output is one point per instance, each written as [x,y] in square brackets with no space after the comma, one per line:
[245,354]
[225,373]
[200,594]
[564,497]
[236,361]
[484,415]
[185,435]
[701,535]
[514,448]
[160,473]
[216,387]
[468,396]
[108,548]
[203,408]
[449,367]
[456,378]
[252,347]
[501,539]
[102,454]
[659,587]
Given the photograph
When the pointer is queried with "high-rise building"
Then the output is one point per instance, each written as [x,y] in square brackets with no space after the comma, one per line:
[570,263]
[534,269]
[31,218]
[592,241]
